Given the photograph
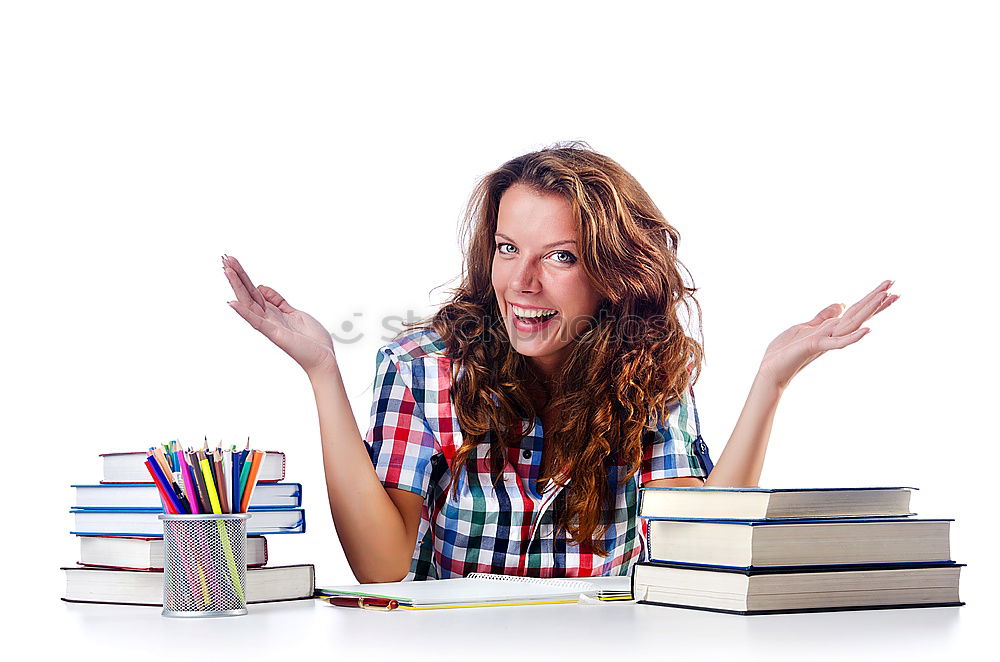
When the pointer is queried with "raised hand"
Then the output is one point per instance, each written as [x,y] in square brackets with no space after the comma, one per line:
[800,345]
[294,331]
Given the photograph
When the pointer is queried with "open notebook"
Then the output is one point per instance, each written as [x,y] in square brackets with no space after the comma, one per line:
[486,590]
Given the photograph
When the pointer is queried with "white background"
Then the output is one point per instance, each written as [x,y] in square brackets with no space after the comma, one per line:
[805,151]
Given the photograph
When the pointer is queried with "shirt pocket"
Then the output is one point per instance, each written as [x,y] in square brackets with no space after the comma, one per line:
[475,501]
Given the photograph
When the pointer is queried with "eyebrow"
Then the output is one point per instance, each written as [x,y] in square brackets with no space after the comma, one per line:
[557,243]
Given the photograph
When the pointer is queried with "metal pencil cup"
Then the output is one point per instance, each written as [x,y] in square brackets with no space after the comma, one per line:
[204,565]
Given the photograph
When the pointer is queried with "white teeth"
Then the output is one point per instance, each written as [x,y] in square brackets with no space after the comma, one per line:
[524,312]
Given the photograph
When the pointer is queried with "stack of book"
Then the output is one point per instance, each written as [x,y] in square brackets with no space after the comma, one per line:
[763,551]
[121,537]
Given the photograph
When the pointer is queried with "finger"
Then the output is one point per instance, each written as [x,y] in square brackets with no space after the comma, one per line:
[863,314]
[240,289]
[884,285]
[262,324]
[235,265]
[839,342]
[885,304]
[827,313]
[275,299]
[239,285]
[866,311]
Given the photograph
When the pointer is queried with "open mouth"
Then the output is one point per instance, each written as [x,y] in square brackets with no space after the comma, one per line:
[534,320]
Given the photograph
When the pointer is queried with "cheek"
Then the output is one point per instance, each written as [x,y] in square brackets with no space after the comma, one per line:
[580,297]
[499,277]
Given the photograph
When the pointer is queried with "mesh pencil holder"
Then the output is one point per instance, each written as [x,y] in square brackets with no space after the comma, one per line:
[205,565]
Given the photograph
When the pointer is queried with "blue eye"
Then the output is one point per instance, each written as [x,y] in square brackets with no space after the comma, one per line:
[503,244]
[571,260]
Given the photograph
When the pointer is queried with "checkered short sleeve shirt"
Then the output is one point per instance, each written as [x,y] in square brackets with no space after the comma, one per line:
[507,528]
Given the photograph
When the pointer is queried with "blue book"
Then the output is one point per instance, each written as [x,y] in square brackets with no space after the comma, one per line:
[123,496]
[144,521]
[746,503]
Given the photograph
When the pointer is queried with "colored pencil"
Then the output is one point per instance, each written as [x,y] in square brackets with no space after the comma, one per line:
[201,494]
[258,459]
[244,476]
[213,495]
[161,459]
[220,480]
[190,487]
[170,501]
[227,471]
[167,505]
[237,495]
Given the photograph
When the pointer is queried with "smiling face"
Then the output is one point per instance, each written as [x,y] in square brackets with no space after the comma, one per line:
[536,272]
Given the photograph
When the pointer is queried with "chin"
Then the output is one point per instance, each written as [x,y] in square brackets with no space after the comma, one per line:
[530,350]
[531,347]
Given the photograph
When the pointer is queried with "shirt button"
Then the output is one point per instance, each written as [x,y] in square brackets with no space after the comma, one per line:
[526,454]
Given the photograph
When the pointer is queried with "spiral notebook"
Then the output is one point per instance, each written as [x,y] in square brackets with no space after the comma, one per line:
[486,590]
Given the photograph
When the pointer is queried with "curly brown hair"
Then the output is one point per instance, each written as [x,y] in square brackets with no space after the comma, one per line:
[631,362]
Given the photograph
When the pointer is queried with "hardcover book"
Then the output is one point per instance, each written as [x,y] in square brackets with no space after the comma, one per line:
[760,503]
[787,590]
[135,495]
[146,553]
[131,587]
[129,468]
[748,544]
[144,522]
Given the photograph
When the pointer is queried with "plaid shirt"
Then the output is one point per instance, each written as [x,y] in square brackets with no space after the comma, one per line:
[508,528]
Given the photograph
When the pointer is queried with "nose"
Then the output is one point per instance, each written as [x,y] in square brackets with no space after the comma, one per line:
[525,277]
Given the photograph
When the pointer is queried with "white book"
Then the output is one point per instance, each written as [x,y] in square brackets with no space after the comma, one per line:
[811,589]
[766,503]
[487,590]
[754,544]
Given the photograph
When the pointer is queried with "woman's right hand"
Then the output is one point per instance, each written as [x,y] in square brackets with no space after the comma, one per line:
[294,331]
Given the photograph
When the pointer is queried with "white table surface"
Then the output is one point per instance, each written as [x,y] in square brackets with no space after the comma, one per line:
[556,631]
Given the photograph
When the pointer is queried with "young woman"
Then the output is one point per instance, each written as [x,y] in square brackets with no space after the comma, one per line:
[511,431]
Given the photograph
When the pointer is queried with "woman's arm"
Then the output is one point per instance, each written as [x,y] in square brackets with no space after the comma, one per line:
[377,527]
[743,458]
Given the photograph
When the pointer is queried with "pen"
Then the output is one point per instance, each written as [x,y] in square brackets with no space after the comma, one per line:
[381,604]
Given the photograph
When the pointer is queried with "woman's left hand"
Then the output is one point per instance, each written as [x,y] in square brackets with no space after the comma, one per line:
[803,343]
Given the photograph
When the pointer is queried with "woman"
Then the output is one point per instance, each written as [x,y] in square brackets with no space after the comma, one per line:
[511,431]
